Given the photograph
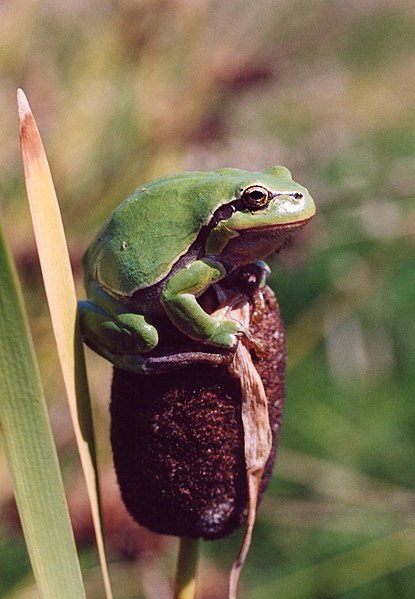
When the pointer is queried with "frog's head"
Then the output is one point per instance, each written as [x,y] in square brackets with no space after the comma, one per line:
[268,208]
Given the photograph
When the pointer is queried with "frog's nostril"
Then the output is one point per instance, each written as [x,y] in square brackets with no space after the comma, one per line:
[296,197]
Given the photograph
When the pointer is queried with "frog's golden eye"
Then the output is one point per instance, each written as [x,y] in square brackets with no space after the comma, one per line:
[256,196]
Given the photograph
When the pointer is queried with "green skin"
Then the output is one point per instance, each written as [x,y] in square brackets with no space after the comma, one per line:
[171,240]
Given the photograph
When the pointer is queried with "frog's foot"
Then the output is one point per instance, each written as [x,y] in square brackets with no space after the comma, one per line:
[109,335]
[255,275]
[263,271]
[225,334]
[246,337]
[235,308]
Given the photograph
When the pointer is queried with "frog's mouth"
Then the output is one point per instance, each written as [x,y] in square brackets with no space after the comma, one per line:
[287,227]
[277,235]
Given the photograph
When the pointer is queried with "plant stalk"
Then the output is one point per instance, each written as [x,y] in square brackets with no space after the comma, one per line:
[185,582]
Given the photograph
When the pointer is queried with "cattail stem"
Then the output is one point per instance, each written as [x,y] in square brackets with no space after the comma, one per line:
[185,583]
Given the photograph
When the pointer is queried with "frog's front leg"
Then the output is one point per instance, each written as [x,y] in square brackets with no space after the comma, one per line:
[178,298]
[112,334]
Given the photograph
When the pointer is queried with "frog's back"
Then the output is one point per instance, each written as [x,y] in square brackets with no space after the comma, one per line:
[155,226]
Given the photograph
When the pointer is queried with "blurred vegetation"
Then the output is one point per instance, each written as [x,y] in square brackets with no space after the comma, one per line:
[126,90]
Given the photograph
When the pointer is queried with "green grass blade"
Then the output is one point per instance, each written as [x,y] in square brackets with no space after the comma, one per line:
[60,292]
[30,449]
[343,572]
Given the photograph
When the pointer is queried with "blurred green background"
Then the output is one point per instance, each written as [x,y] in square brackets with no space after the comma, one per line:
[124,91]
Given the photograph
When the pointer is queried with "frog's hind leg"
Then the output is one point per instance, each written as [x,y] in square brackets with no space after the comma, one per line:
[124,333]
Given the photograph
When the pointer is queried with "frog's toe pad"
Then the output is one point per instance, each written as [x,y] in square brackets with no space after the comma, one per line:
[225,334]
[143,336]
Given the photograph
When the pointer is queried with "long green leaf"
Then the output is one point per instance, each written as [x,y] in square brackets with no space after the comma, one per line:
[345,571]
[60,292]
[30,449]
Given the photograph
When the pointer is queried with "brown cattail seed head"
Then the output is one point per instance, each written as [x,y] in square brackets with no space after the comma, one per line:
[178,439]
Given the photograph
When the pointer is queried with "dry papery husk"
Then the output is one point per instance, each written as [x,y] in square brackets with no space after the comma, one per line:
[194,448]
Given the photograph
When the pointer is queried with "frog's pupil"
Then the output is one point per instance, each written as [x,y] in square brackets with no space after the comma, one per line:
[257,195]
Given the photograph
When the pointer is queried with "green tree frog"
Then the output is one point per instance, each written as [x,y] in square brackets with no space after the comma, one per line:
[171,240]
